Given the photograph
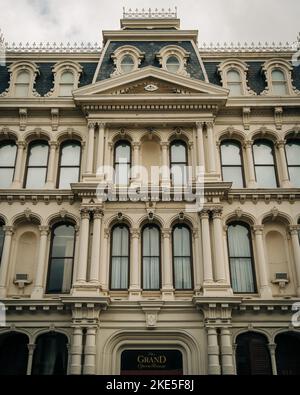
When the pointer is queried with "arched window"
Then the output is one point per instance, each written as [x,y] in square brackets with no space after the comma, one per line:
[8,153]
[119,277]
[279,83]
[182,257]
[173,64]
[241,258]
[151,257]
[179,163]
[66,84]
[264,162]
[252,355]
[2,237]
[288,354]
[13,354]
[122,162]
[61,260]
[22,84]
[293,160]
[50,355]
[232,163]
[37,163]
[69,164]
[234,83]
[127,64]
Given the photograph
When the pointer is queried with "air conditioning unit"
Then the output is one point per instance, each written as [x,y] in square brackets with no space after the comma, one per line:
[281,279]
[21,280]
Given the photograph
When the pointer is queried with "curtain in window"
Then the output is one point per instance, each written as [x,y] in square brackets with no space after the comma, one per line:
[179,163]
[182,257]
[62,259]
[69,168]
[264,164]
[120,258]
[122,163]
[293,160]
[37,163]
[232,168]
[8,152]
[240,257]
[151,257]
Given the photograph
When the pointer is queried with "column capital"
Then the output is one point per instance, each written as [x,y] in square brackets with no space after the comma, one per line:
[21,144]
[294,229]
[31,347]
[9,230]
[101,125]
[248,144]
[98,213]
[191,144]
[92,124]
[196,233]
[136,145]
[204,213]
[85,213]
[53,145]
[200,124]
[217,212]
[280,144]
[106,233]
[258,229]
[135,233]
[164,144]
[210,124]
[272,347]
[166,233]
[44,230]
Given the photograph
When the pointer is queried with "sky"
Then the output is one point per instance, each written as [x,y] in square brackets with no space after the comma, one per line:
[83,20]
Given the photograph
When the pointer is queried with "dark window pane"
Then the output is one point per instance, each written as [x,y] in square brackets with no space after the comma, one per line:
[70,155]
[231,154]
[8,155]
[60,277]
[38,155]
[266,177]
[36,178]
[63,241]
[234,175]
[68,175]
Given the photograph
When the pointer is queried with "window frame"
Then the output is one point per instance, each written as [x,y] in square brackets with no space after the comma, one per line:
[30,145]
[14,69]
[240,67]
[51,257]
[7,142]
[111,258]
[242,166]
[252,258]
[116,145]
[183,225]
[119,55]
[58,70]
[62,145]
[146,256]
[288,140]
[287,69]
[272,145]
[2,225]
[180,53]
[186,163]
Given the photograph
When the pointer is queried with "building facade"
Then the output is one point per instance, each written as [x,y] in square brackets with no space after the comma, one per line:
[94,281]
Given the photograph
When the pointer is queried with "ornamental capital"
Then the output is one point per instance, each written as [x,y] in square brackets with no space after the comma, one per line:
[164,144]
[200,124]
[135,233]
[98,213]
[92,124]
[53,145]
[294,229]
[217,212]
[281,143]
[248,144]
[21,144]
[258,229]
[166,233]
[44,230]
[204,214]
[85,213]
[9,230]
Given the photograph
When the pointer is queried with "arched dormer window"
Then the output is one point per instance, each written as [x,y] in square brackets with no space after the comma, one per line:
[234,77]
[173,58]
[126,59]
[278,74]
[22,84]
[66,78]
[22,80]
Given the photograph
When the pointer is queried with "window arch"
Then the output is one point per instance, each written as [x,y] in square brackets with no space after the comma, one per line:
[234,76]
[288,354]
[122,162]
[2,237]
[61,260]
[173,58]
[182,257]
[278,73]
[126,58]
[8,154]
[264,163]
[232,163]
[279,83]
[151,256]
[241,260]
[293,161]
[234,83]
[22,84]
[66,84]
[120,252]
[66,78]
[179,162]
[69,164]
[37,163]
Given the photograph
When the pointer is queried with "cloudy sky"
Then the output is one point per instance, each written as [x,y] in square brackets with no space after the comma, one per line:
[216,20]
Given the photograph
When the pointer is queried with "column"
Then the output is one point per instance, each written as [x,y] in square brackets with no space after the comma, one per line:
[294,231]
[167,280]
[213,352]
[90,148]
[192,164]
[250,165]
[136,161]
[135,271]
[211,148]
[206,247]
[39,279]
[197,260]
[109,163]
[51,166]
[285,181]
[165,163]
[265,289]
[84,244]
[76,351]
[226,352]
[200,148]
[31,348]
[218,245]
[90,351]
[272,349]
[96,246]
[17,182]
[104,262]
[100,148]
[5,259]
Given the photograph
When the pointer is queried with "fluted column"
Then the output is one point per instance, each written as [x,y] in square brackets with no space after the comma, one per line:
[200,149]
[251,182]
[89,366]
[272,349]
[167,280]
[165,163]
[213,352]
[294,231]
[17,182]
[104,262]
[265,289]
[135,266]
[84,244]
[31,348]
[9,230]
[76,351]
[206,247]
[285,181]
[212,165]
[90,148]
[197,260]
[100,150]
[96,246]
[218,245]
[40,271]
[51,166]
[226,352]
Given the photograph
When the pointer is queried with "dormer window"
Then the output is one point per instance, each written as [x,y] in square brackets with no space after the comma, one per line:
[22,80]
[66,84]
[234,77]
[173,58]
[278,73]
[22,84]
[234,83]
[173,64]
[126,59]
[279,83]
[66,78]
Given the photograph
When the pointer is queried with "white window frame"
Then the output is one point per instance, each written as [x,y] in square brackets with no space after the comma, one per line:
[120,53]
[174,50]
[240,67]
[58,70]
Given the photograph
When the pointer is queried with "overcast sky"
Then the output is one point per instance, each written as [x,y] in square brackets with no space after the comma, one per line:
[216,20]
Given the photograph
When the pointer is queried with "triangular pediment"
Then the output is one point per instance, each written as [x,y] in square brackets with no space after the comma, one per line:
[150,81]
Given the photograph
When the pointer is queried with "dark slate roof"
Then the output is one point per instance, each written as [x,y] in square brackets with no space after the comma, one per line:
[150,48]
[296,77]
[4,78]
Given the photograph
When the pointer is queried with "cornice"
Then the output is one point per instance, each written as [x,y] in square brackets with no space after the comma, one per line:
[23,196]
[266,195]
[149,35]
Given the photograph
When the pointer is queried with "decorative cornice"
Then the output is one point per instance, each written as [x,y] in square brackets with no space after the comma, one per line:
[252,47]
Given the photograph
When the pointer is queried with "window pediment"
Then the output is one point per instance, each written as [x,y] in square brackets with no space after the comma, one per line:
[66,78]
[126,59]
[173,58]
